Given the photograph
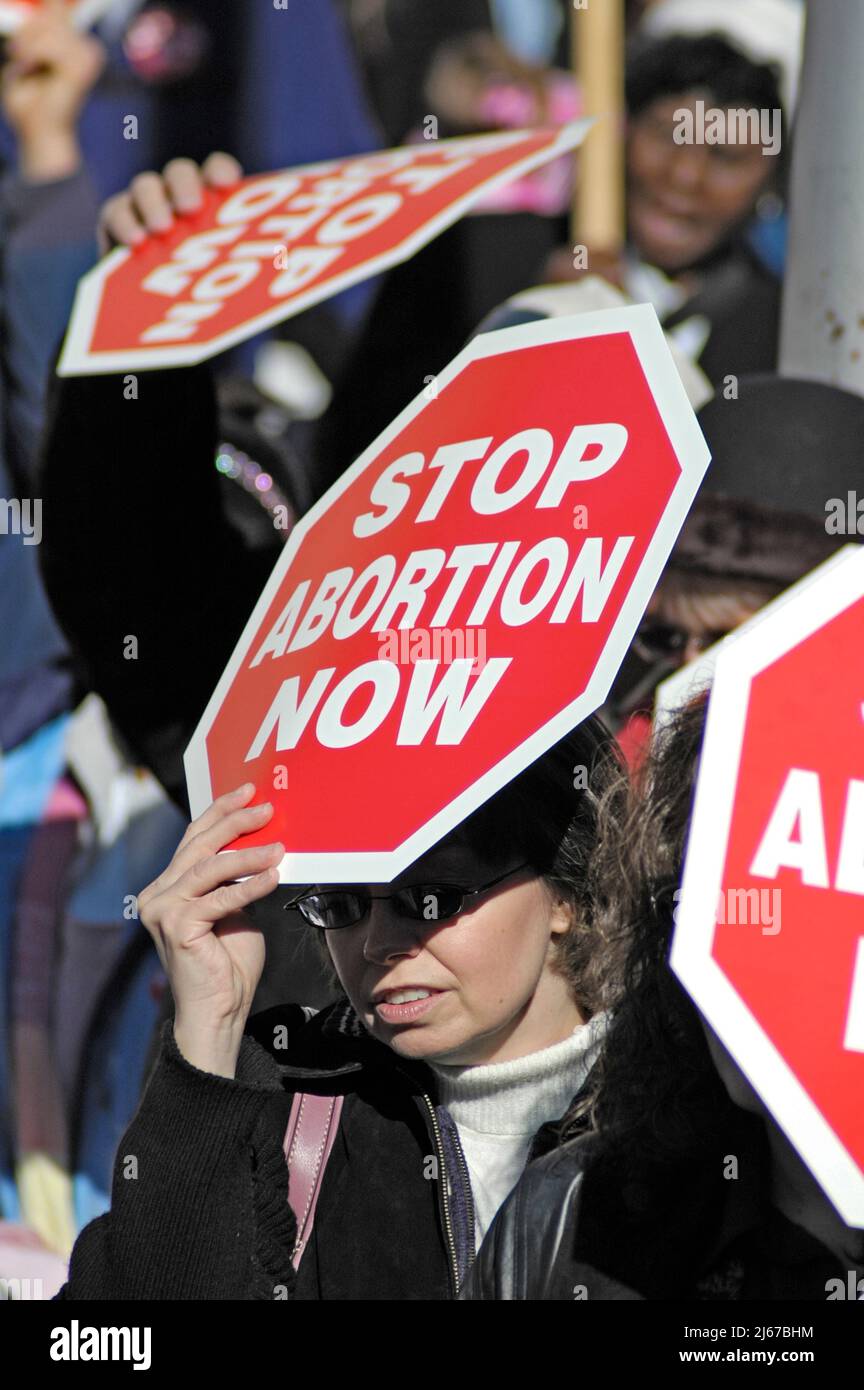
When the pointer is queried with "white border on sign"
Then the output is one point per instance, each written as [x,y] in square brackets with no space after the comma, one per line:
[77,359]
[640,322]
[783,625]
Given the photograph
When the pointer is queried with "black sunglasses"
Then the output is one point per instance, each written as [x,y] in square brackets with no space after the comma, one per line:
[656,640]
[421,902]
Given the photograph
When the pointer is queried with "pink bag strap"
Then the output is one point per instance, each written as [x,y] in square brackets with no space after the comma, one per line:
[309,1139]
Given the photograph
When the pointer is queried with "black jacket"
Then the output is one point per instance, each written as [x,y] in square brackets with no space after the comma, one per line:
[570,1231]
[199,1197]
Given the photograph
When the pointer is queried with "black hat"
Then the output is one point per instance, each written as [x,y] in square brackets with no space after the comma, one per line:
[784,444]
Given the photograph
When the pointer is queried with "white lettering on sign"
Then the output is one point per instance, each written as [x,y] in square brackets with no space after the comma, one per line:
[180,321]
[397,600]
[421,569]
[537,446]
[359,218]
[553,554]
[290,715]
[331,729]
[322,609]
[380,575]
[194,254]
[853,1038]
[449,460]
[253,200]
[423,177]
[277,639]
[390,494]
[589,577]
[302,264]
[335,210]
[605,442]
[795,836]
[850,865]
[460,708]
[609,440]
[464,560]
[798,806]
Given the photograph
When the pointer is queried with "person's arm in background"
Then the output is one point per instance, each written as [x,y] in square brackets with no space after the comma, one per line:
[150,583]
[48,212]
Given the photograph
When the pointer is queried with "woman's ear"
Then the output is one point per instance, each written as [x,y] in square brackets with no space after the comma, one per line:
[562,916]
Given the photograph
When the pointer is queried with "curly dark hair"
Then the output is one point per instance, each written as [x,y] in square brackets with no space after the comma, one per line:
[549,816]
[658,1115]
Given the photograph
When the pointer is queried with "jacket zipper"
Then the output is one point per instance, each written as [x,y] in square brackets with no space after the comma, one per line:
[472,1253]
[445,1196]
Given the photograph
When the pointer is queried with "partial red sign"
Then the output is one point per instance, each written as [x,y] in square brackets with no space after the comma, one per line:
[461,598]
[277,243]
[769,937]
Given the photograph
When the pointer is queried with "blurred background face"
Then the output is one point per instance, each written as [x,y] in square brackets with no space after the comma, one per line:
[685,200]
[489,992]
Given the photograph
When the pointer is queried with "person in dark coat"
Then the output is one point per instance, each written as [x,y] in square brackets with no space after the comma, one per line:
[647,1203]
[469,1021]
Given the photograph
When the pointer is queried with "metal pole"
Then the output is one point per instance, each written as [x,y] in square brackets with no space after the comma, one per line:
[822,332]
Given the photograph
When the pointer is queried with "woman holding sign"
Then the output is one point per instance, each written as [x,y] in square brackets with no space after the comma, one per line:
[469,1021]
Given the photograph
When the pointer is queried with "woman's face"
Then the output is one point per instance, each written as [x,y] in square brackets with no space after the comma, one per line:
[490,993]
[684,200]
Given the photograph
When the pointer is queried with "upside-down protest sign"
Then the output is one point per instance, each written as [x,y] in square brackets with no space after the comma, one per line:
[14,13]
[460,599]
[769,935]
[277,243]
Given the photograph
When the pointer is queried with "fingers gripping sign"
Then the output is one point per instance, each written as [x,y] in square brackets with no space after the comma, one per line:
[212,955]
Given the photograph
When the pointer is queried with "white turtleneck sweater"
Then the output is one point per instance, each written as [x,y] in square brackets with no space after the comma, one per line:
[498,1109]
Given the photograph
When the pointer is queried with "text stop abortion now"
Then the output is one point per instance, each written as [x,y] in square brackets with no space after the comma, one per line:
[383,595]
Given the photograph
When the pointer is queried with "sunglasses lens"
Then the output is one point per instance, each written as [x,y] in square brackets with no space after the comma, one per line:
[661,640]
[430,902]
[330,911]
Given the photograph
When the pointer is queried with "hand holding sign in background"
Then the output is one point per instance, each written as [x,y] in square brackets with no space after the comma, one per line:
[278,243]
[779,811]
[509,527]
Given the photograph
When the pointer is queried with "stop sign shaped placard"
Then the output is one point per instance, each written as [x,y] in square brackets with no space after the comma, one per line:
[769,937]
[460,599]
[274,244]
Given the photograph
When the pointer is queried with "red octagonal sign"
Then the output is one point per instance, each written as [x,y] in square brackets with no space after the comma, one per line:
[460,598]
[769,938]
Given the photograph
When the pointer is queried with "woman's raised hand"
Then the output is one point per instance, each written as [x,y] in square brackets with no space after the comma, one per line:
[212,954]
[151,202]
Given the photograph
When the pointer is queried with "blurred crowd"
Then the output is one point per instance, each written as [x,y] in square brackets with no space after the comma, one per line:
[92,797]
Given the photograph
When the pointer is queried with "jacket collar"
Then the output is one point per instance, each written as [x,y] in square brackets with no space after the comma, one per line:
[335,1043]
[331,1044]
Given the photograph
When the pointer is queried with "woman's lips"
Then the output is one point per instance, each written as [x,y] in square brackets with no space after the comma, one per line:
[408,1012]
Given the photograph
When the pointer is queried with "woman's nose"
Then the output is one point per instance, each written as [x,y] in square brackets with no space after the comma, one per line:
[387,934]
[687,167]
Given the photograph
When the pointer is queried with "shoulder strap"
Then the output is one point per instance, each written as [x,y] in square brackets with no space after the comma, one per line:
[308,1142]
